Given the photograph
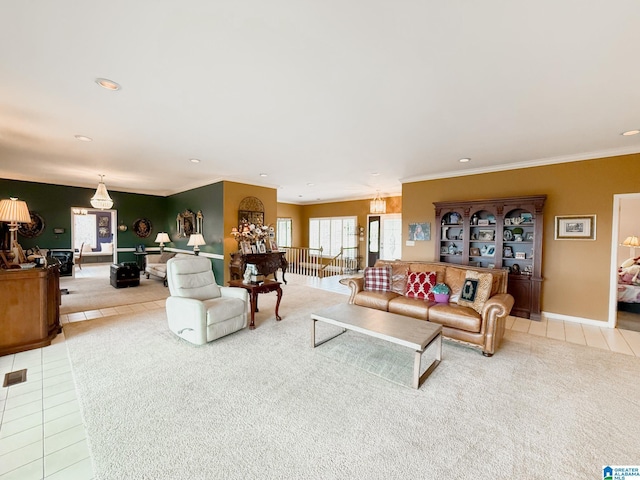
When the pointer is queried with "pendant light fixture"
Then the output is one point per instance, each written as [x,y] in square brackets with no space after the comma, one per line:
[101,199]
[378,205]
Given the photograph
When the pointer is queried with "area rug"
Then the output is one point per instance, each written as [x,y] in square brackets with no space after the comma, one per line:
[264,404]
[94,293]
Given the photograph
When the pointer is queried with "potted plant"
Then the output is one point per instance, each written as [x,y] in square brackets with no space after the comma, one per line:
[441,292]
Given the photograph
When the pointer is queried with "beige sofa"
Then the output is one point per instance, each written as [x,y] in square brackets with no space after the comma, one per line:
[156,264]
[483,328]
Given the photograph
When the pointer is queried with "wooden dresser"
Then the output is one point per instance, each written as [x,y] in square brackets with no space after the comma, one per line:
[29,308]
[267,264]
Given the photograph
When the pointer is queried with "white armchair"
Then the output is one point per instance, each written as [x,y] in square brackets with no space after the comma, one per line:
[198,309]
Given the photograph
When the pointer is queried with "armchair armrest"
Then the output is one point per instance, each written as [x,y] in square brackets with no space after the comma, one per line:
[356,284]
[235,292]
[188,316]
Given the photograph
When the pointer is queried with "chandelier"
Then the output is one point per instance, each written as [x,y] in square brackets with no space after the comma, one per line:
[101,199]
[378,205]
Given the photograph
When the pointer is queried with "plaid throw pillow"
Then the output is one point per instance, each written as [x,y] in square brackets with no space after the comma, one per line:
[419,285]
[377,279]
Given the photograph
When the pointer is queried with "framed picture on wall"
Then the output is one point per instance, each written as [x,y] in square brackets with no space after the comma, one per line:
[575,227]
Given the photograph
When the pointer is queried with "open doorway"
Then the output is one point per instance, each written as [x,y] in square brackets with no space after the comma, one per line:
[93,234]
[625,264]
[384,238]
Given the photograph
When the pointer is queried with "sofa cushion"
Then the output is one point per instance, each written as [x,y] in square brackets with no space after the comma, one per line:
[454,278]
[476,290]
[455,316]
[377,279]
[410,307]
[426,267]
[419,285]
[377,300]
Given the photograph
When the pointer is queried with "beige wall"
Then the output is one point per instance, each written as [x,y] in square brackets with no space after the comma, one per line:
[233,195]
[576,272]
[294,212]
[359,208]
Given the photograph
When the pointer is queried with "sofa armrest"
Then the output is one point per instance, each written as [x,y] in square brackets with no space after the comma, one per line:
[187,318]
[356,284]
[494,315]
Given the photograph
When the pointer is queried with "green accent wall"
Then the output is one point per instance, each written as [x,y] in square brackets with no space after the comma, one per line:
[209,200]
[54,202]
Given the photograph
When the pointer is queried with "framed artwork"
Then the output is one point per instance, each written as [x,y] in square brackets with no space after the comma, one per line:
[486,235]
[528,237]
[32,229]
[491,251]
[419,231]
[575,227]
[142,227]
[245,247]
[254,249]
[474,252]
[521,255]
[274,245]
[262,248]
[508,252]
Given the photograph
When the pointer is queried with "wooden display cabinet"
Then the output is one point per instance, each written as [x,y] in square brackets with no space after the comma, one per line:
[497,233]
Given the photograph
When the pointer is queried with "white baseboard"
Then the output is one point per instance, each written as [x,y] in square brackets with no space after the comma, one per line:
[569,318]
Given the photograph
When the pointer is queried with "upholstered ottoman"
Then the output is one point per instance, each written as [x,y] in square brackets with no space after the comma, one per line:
[126,274]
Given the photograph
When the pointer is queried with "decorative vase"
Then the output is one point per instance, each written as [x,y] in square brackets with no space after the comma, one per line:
[441,297]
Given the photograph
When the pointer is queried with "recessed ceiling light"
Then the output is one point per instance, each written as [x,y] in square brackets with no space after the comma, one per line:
[84,138]
[464,160]
[194,160]
[631,132]
[108,84]
[310,184]
[375,174]
[263,175]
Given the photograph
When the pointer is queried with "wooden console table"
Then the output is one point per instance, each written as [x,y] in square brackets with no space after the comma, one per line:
[29,308]
[267,264]
[254,289]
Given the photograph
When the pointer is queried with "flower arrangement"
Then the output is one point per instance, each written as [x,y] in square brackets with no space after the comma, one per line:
[251,232]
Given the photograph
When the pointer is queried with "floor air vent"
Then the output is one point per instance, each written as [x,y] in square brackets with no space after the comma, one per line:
[14,378]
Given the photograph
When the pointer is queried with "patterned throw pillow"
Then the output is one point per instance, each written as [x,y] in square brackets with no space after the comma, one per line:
[475,290]
[377,279]
[419,285]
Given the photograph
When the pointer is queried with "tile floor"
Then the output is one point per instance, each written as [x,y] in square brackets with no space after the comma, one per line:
[42,434]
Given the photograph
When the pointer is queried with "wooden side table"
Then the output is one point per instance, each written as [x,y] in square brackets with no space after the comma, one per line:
[254,290]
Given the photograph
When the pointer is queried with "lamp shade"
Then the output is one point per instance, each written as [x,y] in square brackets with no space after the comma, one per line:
[196,239]
[14,211]
[631,241]
[162,237]
[101,199]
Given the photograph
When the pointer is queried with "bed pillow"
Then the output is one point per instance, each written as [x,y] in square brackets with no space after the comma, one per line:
[476,290]
[377,279]
[419,285]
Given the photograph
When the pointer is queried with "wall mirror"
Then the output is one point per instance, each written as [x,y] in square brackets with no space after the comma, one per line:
[251,209]
[189,223]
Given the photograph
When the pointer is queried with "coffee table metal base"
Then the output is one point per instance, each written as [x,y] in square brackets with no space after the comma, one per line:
[347,317]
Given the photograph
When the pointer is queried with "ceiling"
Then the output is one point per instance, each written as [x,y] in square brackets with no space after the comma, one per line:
[317,96]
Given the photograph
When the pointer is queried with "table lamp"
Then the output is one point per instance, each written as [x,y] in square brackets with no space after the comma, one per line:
[161,238]
[14,211]
[195,240]
[631,242]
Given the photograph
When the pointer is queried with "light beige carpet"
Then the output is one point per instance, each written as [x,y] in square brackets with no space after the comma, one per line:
[94,293]
[264,404]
